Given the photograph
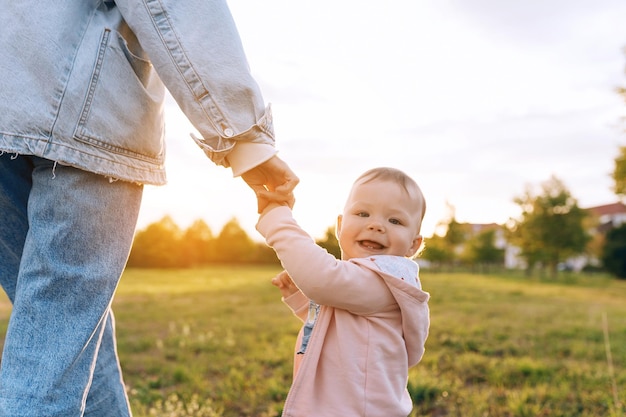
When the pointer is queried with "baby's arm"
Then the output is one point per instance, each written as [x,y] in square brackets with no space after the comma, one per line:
[318,274]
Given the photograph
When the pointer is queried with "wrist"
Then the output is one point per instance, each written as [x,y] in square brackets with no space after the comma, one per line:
[246,156]
[272,205]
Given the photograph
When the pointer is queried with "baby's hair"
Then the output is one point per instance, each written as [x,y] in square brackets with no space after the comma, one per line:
[397,176]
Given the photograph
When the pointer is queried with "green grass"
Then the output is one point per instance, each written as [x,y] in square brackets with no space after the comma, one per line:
[218,342]
[518,347]
[217,339]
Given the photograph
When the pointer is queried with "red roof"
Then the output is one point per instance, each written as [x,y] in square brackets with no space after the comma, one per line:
[615,208]
[479,227]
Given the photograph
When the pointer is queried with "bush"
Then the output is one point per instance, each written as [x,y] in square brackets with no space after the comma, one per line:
[614,254]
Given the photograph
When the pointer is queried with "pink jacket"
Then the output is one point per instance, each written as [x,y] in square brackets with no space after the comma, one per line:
[371,328]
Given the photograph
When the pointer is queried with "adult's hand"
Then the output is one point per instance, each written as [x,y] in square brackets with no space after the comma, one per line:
[272,180]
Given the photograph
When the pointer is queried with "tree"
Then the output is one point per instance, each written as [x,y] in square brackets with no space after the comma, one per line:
[157,246]
[614,255]
[437,251]
[619,173]
[197,246]
[455,233]
[263,254]
[595,245]
[330,243]
[444,247]
[233,244]
[550,229]
[481,249]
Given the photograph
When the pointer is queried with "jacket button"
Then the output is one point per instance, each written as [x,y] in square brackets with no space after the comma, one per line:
[228,132]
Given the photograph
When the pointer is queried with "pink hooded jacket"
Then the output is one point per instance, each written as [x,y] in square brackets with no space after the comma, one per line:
[371,327]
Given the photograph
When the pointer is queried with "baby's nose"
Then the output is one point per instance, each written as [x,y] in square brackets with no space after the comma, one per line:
[375,225]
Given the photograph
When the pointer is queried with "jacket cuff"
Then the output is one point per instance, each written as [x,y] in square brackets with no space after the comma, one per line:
[298,303]
[247,155]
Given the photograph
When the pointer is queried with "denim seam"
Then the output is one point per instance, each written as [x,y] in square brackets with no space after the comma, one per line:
[178,56]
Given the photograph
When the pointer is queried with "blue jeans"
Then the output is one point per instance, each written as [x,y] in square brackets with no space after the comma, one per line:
[65,236]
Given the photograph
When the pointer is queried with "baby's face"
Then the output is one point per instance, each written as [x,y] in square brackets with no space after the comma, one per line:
[380,218]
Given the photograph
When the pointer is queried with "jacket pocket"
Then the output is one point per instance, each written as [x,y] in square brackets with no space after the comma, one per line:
[123,110]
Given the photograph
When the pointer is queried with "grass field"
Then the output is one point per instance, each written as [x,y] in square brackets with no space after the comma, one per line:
[218,342]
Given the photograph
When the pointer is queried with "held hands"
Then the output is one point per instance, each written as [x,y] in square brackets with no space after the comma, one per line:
[273,182]
[285,284]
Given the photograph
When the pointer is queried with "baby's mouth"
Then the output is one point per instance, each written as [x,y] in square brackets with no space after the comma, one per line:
[370,244]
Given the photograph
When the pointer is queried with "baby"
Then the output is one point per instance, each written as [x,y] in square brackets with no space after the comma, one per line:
[365,316]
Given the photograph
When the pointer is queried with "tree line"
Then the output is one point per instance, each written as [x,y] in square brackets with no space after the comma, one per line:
[164,244]
[551,229]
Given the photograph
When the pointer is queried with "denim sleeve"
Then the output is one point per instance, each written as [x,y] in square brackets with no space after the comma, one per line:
[197,52]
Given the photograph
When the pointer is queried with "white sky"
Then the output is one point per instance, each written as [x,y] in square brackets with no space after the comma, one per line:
[475,99]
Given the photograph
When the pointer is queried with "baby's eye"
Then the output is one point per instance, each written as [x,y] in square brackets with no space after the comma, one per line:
[395,221]
[362,214]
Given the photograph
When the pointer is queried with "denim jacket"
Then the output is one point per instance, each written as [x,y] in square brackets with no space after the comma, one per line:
[82,82]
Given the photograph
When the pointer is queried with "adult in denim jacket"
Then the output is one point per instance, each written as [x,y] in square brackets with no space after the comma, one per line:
[81,131]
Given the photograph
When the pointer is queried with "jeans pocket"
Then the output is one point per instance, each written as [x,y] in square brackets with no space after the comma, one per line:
[123,110]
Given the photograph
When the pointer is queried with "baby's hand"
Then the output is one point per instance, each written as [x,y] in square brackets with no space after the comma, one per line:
[265,205]
[285,284]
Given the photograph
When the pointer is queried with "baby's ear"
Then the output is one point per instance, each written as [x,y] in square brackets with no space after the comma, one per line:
[338,227]
[415,246]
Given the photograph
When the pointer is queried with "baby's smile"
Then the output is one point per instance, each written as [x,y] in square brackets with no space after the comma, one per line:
[370,244]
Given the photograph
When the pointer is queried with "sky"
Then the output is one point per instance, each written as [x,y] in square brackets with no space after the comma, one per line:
[475,99]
